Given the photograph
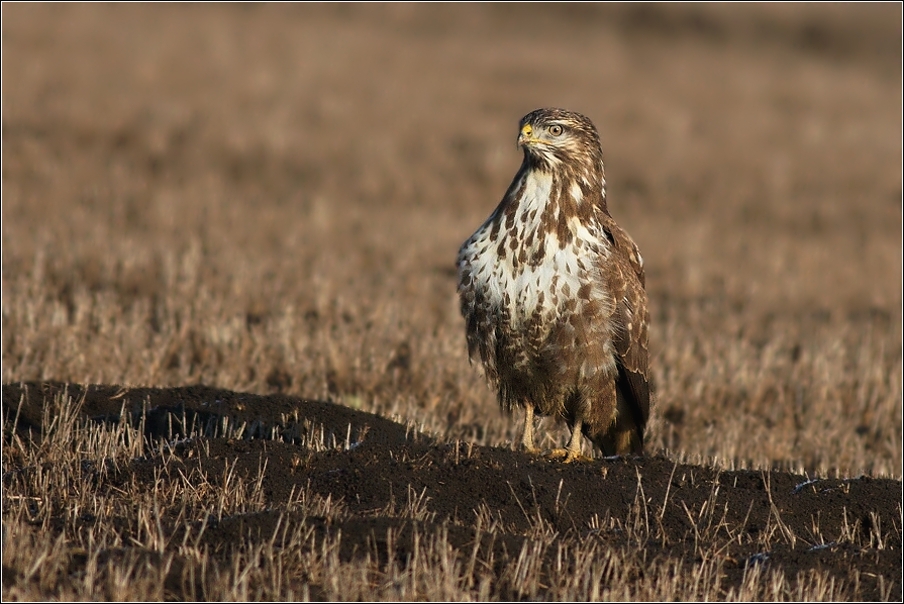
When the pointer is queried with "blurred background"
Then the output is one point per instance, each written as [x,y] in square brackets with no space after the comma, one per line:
[271,198]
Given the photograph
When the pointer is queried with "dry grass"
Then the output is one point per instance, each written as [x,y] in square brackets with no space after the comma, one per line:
[69,535]
[270,198]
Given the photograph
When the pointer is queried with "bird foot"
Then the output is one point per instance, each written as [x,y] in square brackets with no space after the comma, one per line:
[567,455]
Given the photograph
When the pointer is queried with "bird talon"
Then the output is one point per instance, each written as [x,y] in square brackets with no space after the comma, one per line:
[566,455]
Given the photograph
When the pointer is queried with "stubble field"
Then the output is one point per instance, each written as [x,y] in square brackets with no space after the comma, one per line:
[239,224]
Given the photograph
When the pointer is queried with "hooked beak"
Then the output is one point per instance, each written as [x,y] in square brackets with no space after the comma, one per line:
[527,136]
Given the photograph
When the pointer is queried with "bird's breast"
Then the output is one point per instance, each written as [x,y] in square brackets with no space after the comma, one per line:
[526,275]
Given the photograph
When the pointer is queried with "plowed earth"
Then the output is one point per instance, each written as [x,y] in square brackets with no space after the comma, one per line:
[371,464]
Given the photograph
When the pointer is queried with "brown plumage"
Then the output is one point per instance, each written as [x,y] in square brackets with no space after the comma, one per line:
[552,291]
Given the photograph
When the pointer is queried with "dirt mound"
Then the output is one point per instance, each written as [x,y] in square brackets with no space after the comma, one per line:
[397,486]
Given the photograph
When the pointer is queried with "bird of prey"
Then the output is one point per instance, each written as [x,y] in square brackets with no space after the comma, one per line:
[552,292]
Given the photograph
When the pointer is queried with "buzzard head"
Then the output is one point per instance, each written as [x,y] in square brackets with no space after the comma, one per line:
[553,139]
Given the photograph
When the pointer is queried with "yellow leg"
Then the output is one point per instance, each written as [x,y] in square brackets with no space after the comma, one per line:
[573,452]
[527,439]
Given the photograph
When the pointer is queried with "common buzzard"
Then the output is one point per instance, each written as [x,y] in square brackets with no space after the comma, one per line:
[552,291]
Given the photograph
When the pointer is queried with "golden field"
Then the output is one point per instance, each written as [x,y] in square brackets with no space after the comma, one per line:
[269,199]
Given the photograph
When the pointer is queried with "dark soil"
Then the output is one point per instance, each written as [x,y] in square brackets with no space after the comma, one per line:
[370,463]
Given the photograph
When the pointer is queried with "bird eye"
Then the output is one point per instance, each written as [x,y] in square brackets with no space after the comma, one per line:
[555,130]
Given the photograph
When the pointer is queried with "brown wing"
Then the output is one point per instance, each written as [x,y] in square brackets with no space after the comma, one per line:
[631,336]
